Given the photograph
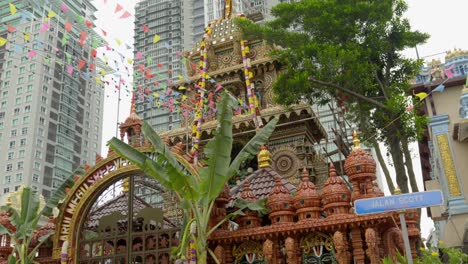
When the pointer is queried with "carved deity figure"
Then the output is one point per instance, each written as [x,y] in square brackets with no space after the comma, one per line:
[219,253]
[372,246]
[290,245]
[393,242]
[341,247]
[268,250]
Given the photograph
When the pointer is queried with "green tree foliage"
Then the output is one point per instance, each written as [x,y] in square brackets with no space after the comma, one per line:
[197,193]
[349,50]
[26,217]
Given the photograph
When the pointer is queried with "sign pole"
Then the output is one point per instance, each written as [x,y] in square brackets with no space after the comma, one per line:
[404,232]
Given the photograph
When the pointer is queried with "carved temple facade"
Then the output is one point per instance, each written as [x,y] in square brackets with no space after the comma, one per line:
[116,214]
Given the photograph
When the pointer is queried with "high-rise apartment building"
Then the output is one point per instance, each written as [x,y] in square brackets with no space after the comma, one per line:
[50,119]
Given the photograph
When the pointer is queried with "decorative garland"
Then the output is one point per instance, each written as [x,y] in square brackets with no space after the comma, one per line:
[198,120]
[250,86]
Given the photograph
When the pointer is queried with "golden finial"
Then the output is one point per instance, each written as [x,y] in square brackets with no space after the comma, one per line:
[397,191]
[264,158]
[126,185]
[356,142]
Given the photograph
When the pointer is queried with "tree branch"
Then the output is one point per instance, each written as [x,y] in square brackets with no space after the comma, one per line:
[352,93]
[384,92]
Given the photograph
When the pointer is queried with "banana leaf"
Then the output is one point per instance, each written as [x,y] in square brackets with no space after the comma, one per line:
[218,152]
[161,169]
[158,144]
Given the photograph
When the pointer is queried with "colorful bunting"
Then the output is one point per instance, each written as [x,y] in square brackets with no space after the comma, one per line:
[70,69]
[44,27]
[156,38]
[118,7]
[81,64]
[12,8]
[125,15]
[145,28]
[31,54]
[3,41]
[439,88]
[11,28]
[421,95]
[449,72]
[64,8]
[51,14]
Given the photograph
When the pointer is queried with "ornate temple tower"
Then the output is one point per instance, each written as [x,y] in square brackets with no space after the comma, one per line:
[131,128]
[336,196]
[251,219]
[360,167]
[307,199]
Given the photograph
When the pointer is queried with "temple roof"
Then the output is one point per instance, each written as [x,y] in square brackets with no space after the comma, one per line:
[262,182]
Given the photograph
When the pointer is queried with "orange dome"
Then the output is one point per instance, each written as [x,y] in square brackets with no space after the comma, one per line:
[336,196]
[360,164]
[280,203]
[307,200]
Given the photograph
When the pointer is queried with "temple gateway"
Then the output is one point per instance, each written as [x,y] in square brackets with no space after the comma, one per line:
[116,214]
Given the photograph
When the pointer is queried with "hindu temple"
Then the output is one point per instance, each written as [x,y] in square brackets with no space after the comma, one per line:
[116,214]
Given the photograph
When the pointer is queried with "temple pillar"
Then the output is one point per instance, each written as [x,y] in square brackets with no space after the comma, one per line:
[358,251]
[219,253]
[269,252]
[372,242]
[448,175]
[228,257]
[340,240]
[291,251]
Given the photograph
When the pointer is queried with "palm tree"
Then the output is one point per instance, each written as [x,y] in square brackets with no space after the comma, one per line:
[26,219]
[197,193]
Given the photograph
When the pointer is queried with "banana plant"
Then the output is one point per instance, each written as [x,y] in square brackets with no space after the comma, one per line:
[25,218]
[197,193]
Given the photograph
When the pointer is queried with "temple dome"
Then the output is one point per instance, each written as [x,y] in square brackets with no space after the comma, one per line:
[307,199]
[336,196]
[360,163]
[280,203]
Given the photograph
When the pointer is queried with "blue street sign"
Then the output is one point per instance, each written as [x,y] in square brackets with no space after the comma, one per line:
[398,202]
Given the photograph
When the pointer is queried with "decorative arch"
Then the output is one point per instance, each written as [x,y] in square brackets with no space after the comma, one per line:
[84,193]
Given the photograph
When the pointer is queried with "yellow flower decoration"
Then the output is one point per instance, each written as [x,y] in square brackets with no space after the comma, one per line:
[434,254]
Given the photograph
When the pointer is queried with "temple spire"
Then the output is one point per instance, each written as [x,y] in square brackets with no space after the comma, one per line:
[356,141]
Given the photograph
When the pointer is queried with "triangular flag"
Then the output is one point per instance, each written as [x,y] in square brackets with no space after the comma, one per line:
[145,28]
[3,41]
[44,27]
[138,55]
[81,64]
[130,61]
[421,95]
[439,88]
[89,24]
[104,32]
[93,53]
[68,26]
[98,80]
[92,66]
[27,36]
[118,41]
[156,38]
[69,57]
[51,14]
[11,28]
[449,72]
[118,8]
[125,15]
[12,8]
[32,53]
[69,69]
[64,8]
[47,60]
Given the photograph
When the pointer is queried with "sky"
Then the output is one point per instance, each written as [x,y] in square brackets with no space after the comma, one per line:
[443,20]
